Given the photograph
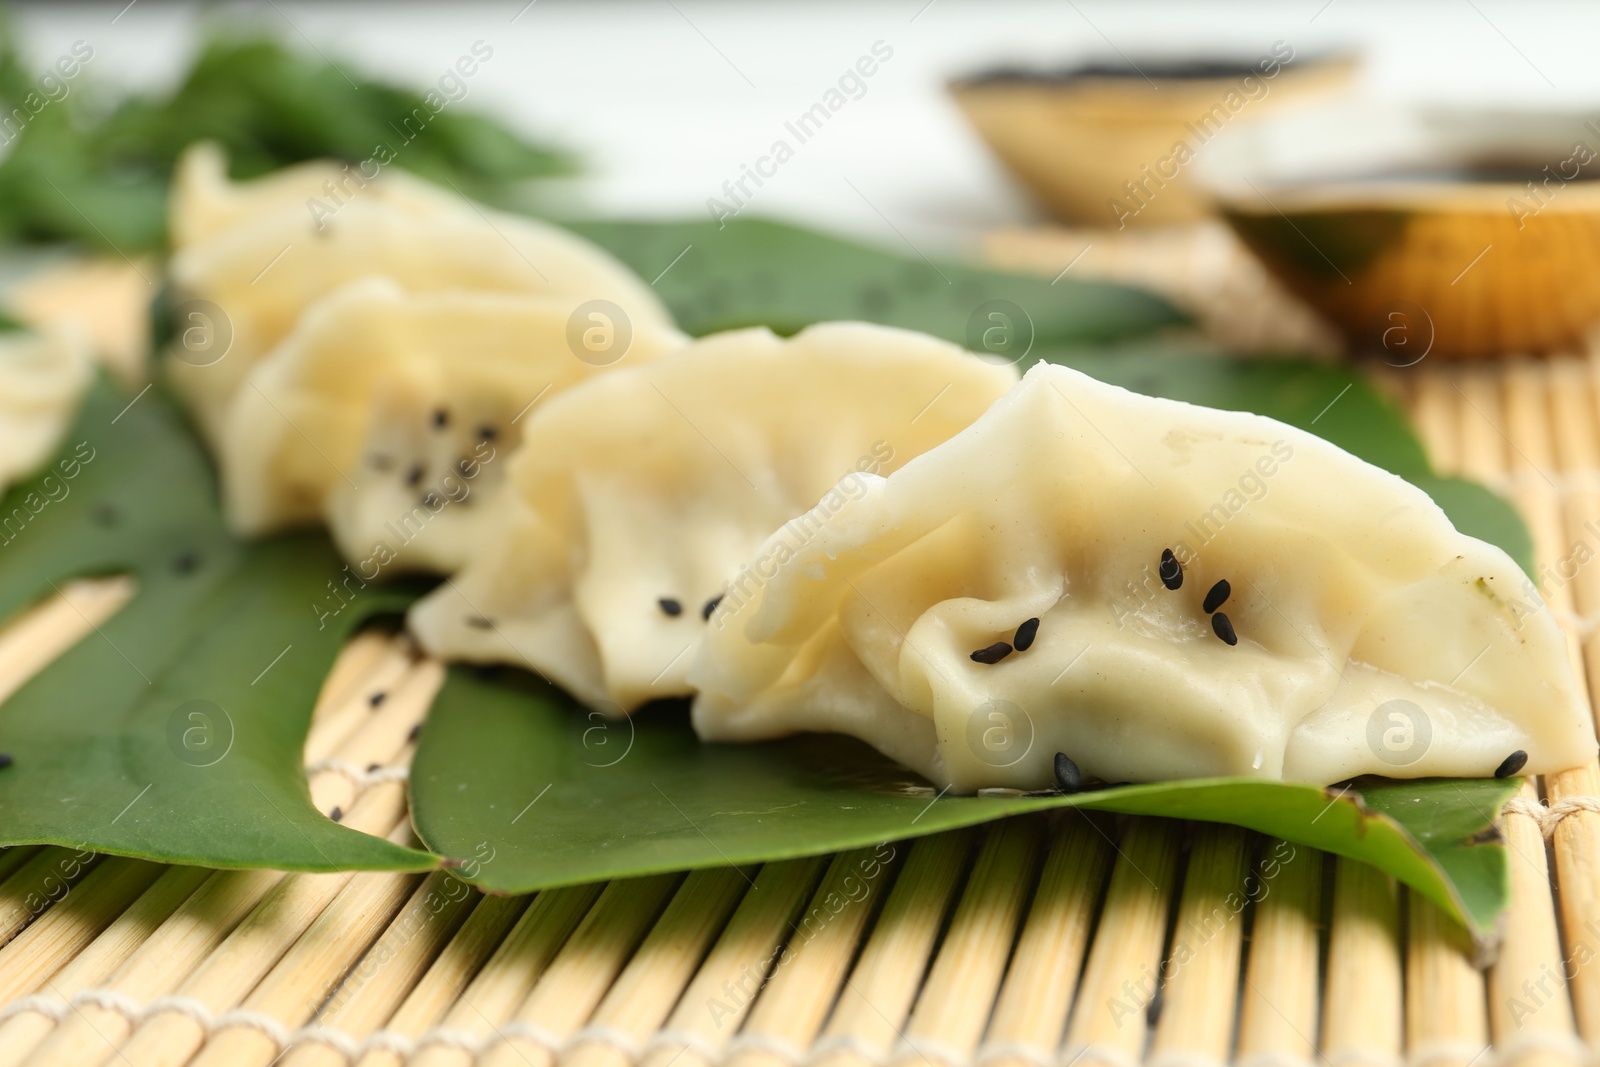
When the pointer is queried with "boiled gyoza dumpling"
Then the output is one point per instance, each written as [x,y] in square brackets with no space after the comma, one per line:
[636,496]
[42,379]
[1158,590]
[204,201]
[392,417]
[264,267]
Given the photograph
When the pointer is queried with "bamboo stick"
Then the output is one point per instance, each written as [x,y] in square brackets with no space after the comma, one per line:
[719,998]
[1576,848]
[340,717]
[567,993]
[1030,1015]
[791,1007]
[90,968]
[1436,414]
[249,952]
[877,997]
[659,970]
[302,980]
[373,989]
[20,1035]
[1576,842]
[1530,1015]
[1483,444]
[1530,452]
[48,876]
[154,969]
[1278,1004]
[1446,1025]
[351,678]
[67,928]
[37,635]
[1446,1010]
[504,983]
[1396,383]
[1361,1014]
[12,859]
[1201,977]
[383,737]
[191,942]
[440,987]
[958,996]
[1108,1025]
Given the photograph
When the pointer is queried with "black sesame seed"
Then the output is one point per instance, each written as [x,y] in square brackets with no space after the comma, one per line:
[1171,571]
[487,433]
[372,767]
[104,515]
[1224,628]
[711,606]
[441,418]
[1068,778]
[1025,635]
[670,606]
[478,622]
[1513,763]
[414,733]
[185,563]
[6,760]
[337,814]
[414,475]
[1217,595]
[993,654]
[377,698]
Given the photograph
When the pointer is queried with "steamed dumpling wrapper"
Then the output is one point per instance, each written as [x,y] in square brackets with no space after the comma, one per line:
[392,416]
[262,256]
[1371,636]
[43,377]
[636,496]
[205,202]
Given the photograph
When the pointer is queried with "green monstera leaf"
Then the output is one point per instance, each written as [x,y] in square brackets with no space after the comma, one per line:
[755,272]
[510,768]
[174,730]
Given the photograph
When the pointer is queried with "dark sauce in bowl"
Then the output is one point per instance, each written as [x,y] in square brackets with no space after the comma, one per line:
[1538,172]
[1176,70]
[1499,172]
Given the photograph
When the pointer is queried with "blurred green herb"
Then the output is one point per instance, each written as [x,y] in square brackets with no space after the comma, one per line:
[85,169]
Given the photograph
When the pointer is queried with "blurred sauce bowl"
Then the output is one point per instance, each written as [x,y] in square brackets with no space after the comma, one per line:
[1452,232]
[1110,144]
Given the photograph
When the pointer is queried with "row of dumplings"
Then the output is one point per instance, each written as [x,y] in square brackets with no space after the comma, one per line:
[857,529]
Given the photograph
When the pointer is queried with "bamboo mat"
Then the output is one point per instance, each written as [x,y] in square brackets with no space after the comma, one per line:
[1037,942]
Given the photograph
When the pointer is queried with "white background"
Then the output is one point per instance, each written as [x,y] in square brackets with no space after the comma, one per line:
[665,99]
